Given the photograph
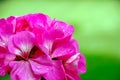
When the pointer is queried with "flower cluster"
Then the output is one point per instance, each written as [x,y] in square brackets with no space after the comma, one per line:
[36,47]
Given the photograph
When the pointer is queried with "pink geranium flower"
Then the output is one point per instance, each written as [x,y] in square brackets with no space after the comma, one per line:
[35,47]
[27,66]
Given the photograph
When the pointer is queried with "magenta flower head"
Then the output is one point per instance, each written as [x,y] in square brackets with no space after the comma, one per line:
[36,47]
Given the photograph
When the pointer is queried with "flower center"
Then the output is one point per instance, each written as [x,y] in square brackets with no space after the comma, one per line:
[43,78]
[31,54]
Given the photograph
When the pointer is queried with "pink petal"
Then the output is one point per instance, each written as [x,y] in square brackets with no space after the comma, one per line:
[31,21]
[3,67]
[82,64]
[75,44]
[72,63]
[76,64]
[2,45]
[60,41]
[12,48]
[48,39]
[2,48]
[12,20]
[56,73]
[64,51]
[38,20]
[21,43]
[5,58]
[22,24]
[39,32]
[71,67]
[40,65]
[22,71]
[66,28]
[6,29]
[72,76]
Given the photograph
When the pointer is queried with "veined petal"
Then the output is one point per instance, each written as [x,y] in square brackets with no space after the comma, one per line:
[48,39]
[12,48]
[24,41]
[22,71]
[21,43]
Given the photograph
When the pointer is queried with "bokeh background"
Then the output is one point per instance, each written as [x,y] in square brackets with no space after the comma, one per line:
[97,29]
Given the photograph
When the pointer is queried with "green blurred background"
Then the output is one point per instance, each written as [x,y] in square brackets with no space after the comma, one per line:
[97,29]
